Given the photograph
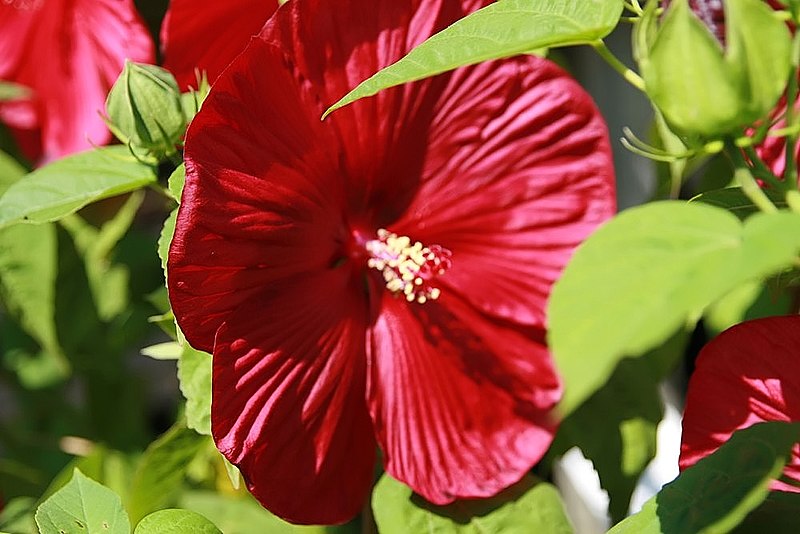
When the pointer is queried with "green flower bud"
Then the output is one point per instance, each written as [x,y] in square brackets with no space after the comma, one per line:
[707,91]
[145,109]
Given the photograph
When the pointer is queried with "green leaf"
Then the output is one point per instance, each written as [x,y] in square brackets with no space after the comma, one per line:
[160,473]
[502,29]
[648,272]
[194,373]
[527,506]
[238,514]
[108,281]
[10,171]
[764,64]
[17,516]
[174,521]
[718,492]
[175,182]
[169,350]
[778,513]
[735,201]
[28,268]
[616,427]
[165,238]
[83,507]
[106,466]
[68,184]
[12,91]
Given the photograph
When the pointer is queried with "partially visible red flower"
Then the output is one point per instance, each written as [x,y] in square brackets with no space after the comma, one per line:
[206,38]
[382,275]
[748,374]
[69,53]
[773,149]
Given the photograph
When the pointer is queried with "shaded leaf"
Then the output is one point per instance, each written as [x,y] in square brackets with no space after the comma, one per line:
[108,281]
[10,171]
[28,270]
[161,470]
[616,427]
[718,492]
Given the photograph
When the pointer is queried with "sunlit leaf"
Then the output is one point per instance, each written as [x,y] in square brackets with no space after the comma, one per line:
[527,506]
[64,186]
[194,373]
[12,91]
[239,514]
[174,521]
[735,201]
[83,507]
[502,29]
[169,350]
[648,272]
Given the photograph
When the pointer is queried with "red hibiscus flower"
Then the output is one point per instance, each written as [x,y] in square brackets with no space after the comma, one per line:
[206,39]
[747,374]
[69,53]
[381,276]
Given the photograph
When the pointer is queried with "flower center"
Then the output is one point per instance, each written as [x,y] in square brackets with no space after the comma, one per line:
[408,269]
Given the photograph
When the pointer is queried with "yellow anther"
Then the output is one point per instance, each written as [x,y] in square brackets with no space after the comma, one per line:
[408,268]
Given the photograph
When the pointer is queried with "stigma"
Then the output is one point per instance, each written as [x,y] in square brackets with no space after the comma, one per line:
[408,269]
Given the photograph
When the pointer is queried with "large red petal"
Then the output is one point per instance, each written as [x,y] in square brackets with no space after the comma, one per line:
[69,52]
[288,398]
[339,43]
[748,374]
[460,403]
[208,37]
[519,171]
[262,200]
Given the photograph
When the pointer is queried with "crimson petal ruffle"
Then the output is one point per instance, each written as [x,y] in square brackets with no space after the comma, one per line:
[518,172]
[207,38]
[459,402]
[287,402]
[69,53]
[746,375]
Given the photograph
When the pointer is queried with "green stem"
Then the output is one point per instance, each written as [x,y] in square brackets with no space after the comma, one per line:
[628,74]
[790,168]
[744,177]
[760,169]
